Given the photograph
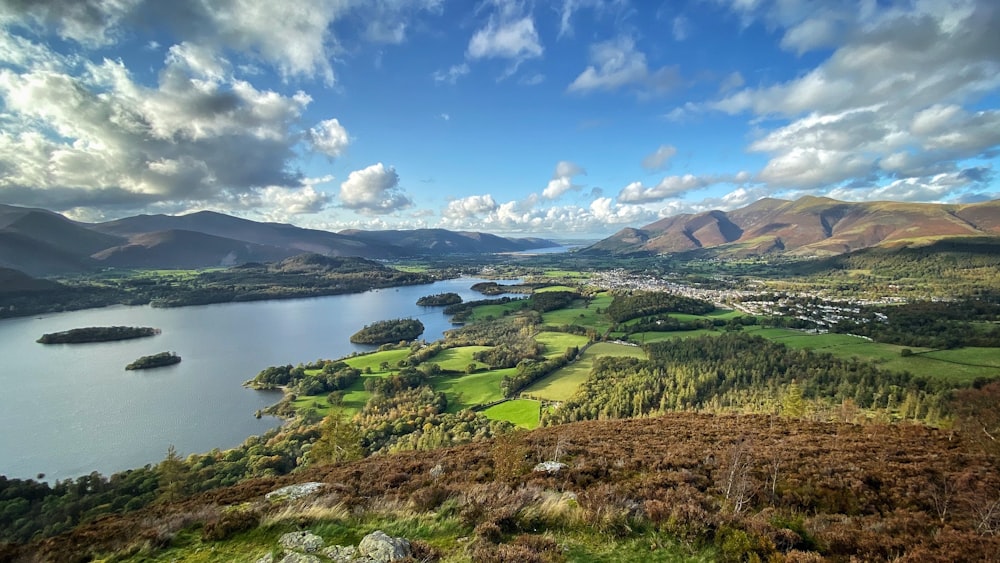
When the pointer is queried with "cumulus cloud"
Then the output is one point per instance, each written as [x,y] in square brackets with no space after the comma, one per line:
[87,135]
[515,39]
[617,64]
[89,22]
[890,107]
[469,207]
[660,158]
[668,187]
[329,137]
[374,190]
[562,179]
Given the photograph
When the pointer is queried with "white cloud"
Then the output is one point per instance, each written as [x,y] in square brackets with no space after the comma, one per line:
[516,39]
[660,158]
[374,190]
[469,207]
[329,137]
[83,135]
[89,22]
[935,188]
[451,75]
[562,179]
[617,64]
[668,187]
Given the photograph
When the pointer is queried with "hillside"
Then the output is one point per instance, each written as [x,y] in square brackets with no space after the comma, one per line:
[441,241]
[653,489]
[810,226]
[186,249]
[14,281]
[269,234]
[40,242]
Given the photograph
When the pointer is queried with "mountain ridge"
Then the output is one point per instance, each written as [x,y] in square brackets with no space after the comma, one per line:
[808,226]
[41,242]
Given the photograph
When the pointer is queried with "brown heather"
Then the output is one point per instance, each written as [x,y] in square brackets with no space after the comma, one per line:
[755,487]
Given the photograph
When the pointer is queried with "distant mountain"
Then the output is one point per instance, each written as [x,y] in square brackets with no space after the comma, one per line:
[442,241]
[269,234]
[15,281]
[813,226]
[40,242]
[187,249]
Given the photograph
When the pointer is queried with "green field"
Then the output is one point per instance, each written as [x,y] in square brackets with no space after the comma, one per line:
[521,412]
[466,391]
[960,366]
[486,312]
[561,384]
[375,359]
[556,343]
[583,314]
[723,314]
[556,288]
[458,359]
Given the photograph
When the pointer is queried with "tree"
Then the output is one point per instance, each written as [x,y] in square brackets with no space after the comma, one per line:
[792,404]
[172,476]
[339,440]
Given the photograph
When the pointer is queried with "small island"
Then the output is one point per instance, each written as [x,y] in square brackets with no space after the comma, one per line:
[97,334]
[155,361]
[439,300]
[384,332]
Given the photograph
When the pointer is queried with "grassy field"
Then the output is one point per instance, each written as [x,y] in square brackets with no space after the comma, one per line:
[962,365]
[521,412]
[582,314]
[465,391]
[556,343]
[375,359]
[458,359]
[556,288]
[724,314]
[561,384]
[485,312]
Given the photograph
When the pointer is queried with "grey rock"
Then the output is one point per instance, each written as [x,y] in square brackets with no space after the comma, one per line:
[299,558]
[379,547]
[293,492]
[341,553]
[305,542]
[437,471]
[269,558]
[550,467]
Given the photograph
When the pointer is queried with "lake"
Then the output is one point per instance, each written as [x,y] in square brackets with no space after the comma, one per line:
[70,409]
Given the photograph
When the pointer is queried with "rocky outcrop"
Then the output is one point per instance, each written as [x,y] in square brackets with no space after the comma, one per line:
[307,547]
[294,492]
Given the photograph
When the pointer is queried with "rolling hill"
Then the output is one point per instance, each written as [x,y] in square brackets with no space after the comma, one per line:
[810,226]
[40,242]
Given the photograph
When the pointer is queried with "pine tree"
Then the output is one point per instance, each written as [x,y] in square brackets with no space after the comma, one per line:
[339,440]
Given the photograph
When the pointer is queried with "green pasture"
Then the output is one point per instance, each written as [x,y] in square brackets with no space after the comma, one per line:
[556,343]
[556,288]
[465,391]
[567,274]
[496,311]
[562,383]
[583,314]
[520,412]
[375,359]
[458,359]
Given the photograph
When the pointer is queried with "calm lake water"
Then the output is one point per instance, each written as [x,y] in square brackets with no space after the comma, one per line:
[69,409]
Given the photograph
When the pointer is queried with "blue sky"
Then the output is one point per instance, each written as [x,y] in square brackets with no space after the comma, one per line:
[569,118]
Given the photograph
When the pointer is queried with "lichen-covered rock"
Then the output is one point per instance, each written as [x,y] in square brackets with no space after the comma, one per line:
[550,467]
[379,547]
[341,553]
[304,542]
[294,557]
[293,492]
[269,558]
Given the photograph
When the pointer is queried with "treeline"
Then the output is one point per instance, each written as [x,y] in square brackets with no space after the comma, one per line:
[932,324]
[511,340]
[295,277]
[530,371]
[627,306]
[97,334]
[329,376]
[439,300]
[744,372]
[384,332]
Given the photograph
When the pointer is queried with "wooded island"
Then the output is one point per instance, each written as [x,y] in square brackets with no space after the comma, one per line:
[97,334]
[393,330]
[155,361]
